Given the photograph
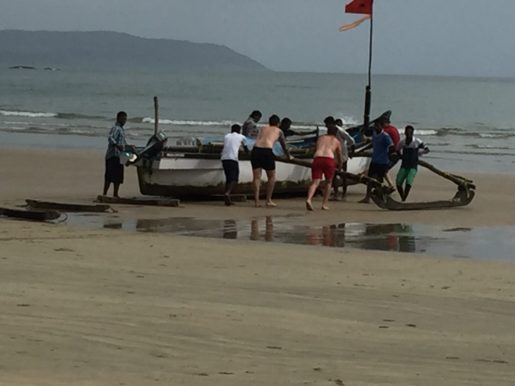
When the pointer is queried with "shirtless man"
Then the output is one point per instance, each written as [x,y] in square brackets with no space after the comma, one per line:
[328,156]
[262,157]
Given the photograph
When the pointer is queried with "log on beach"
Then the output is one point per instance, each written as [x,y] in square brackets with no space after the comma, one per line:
[68,207]
[150,201]
[34,215]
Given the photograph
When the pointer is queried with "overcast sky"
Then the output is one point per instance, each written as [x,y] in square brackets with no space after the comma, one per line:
[448,37]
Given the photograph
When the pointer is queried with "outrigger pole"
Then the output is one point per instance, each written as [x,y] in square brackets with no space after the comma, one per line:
[156,115]
[368,89]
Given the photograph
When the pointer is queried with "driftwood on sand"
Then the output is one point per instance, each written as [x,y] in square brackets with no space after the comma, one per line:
[68,207]
[34,215]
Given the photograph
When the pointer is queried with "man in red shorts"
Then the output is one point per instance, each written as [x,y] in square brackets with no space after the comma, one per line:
[328,157]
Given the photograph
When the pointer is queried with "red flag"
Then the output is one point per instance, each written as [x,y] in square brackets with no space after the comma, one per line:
[359,6]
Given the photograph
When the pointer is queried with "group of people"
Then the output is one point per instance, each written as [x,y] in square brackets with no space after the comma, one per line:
[331,155]
[387,149]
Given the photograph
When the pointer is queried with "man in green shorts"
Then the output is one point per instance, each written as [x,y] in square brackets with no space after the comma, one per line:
[409,149]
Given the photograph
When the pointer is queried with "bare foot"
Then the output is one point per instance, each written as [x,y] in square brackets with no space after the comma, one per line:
[257,204]
[325,207]
[309,206]
[271,204]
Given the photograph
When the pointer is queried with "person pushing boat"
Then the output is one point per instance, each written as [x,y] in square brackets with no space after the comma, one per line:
[327,158]
[262,157]
[381,143]
[249,127]
[348,143]
[232,143]
[409,149]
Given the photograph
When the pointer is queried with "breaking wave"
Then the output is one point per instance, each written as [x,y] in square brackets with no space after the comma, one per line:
[28,114]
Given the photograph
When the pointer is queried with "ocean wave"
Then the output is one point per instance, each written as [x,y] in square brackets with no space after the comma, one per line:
[83,131]
[72,116]
[479,152]
[28,114]
[489,147]
[188,122]
[495,135]
[426,132]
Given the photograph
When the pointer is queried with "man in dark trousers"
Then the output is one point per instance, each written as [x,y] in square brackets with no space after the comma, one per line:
[116,145]
[381,143]
[232,143]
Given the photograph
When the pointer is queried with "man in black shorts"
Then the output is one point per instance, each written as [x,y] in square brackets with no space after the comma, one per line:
[262,157]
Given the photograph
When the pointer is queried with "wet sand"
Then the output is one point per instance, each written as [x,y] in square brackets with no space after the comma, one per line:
[112,307]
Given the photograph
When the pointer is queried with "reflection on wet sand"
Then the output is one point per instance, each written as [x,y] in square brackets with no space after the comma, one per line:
[389,237]
[230,229]
[269,229]
[459,242]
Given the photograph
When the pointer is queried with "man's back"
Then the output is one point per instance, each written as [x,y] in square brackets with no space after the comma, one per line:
[381,143]
[327,146]
[232,143]
[267,136]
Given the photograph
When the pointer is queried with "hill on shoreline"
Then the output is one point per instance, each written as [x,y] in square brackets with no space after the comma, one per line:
[104,49]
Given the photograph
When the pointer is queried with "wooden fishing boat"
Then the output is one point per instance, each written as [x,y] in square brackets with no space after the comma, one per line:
[196,172]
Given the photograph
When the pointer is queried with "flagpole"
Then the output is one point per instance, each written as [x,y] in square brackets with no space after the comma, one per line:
[368,89]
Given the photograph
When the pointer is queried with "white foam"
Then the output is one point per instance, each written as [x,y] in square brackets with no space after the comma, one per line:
[348,120]
[486,135]
[426,132]
[187,123]
[26,114]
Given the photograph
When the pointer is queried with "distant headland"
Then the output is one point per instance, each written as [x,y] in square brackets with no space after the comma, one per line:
[111,50]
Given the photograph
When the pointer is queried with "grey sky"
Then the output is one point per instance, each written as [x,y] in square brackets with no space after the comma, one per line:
[452,37]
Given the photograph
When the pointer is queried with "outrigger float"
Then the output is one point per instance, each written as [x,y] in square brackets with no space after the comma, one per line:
[382,194]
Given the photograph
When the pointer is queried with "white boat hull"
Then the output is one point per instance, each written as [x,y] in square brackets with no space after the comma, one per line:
[179,176]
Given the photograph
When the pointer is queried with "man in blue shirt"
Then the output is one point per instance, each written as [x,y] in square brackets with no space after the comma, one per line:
[381,143]
[116,145]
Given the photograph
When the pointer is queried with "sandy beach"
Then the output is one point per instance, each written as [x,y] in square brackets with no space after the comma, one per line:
[85,306]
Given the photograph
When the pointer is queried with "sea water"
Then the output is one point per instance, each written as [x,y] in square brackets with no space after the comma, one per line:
[466,122]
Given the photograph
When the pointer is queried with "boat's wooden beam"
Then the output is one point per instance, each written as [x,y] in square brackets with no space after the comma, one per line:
[67,207]
[159,201]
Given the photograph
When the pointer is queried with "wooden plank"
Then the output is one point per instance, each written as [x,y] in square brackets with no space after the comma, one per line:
[35,215]
[149,201]
[68,207]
